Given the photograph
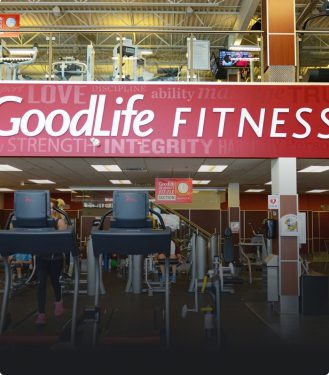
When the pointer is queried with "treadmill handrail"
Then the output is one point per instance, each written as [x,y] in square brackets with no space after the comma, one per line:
[8,222]
[101,224]
[163,226]
[65,214]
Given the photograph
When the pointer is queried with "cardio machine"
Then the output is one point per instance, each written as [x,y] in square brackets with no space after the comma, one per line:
[12,58]
[130,233]
[34,232]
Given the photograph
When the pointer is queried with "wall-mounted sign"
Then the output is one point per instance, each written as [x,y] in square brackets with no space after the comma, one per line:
[9,25]
[273,202]
[173,190]
[173,120]
[235,226]
[289,225]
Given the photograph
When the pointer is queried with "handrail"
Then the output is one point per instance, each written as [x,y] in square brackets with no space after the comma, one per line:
[190,223]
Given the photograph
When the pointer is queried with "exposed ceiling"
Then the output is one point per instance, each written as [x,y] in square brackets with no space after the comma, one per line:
[162,26]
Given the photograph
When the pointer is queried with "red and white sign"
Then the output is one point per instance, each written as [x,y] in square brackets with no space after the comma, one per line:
[123,119]
[173,190]
[9,25]
[273,202]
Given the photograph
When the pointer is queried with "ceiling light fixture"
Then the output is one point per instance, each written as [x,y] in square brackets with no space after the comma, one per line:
[189,11]
[67,190]
[146,52]
[254,190]
[56,11]
[212,168]
[315,169]
[45,182]
[200,182]
[121,182]
[106,168]
[8,168]
[317,191]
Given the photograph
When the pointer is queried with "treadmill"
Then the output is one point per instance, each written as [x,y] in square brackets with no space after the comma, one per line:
[130,233]
[33,231]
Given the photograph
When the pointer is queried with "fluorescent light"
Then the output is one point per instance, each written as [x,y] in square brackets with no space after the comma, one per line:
[254,190]
[106,168]
[69,190]
[145,52]
[8,168]
[6,189]
[121,182]
[212,168]
[200,182]
[317,191]
[251,48]
[315,169]
[42,182]
[268,183]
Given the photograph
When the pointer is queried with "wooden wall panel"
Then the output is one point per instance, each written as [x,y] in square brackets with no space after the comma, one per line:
[289,278]
[281,16]
[282,51]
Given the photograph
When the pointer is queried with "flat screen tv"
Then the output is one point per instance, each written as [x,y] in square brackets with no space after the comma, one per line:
[234,59]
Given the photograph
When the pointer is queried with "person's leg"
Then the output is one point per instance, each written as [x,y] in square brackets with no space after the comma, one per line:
[56,267]
[55,272]
[162,268]
[41,268]
[173,269]
[19,270]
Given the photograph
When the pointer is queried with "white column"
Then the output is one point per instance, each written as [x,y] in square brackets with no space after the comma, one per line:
[233,201]
[284,176]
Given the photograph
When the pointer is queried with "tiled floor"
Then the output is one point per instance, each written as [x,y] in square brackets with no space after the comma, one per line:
[254,335]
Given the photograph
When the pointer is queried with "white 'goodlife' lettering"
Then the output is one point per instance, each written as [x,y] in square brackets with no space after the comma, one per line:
[133,120]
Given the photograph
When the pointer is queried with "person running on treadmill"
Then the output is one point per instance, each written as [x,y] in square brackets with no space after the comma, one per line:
[50,265]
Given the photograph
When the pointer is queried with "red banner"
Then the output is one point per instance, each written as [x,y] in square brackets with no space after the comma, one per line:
[9,25]
[164,120]
[173,190]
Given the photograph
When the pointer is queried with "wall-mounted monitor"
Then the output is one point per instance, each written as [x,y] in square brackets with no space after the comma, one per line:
[235,59]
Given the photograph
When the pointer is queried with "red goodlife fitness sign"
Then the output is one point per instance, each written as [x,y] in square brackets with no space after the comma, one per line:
[164,120]
[173,190]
